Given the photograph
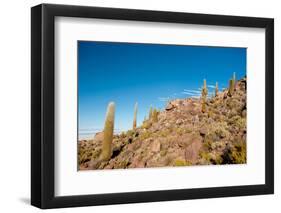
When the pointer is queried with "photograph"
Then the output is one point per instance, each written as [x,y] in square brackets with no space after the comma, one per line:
[149,105]
[146,105]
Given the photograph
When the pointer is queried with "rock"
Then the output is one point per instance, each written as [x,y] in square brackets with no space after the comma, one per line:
[131,147]
[130,140]
[192,151]
[98,136]
[193,112]
[179,121]
[155,146]
[203,131]
[137,163]
[169,107]
[167,125]
[195,120]
[225,95]
[94,164]
[244,113]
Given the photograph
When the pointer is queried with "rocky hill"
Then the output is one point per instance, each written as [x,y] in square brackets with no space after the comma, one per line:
[181,135]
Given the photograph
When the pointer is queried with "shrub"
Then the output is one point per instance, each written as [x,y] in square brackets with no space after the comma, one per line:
[238,121]
[180,162]
[163,152]
[145,135]
[236,154]
[180,131]
[205,155]
[212,158]
[221,129]
[146,124]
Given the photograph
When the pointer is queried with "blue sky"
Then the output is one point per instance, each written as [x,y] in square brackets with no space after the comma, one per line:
[149,74]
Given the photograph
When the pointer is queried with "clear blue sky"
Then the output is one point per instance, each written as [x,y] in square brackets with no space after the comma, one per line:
[148,74]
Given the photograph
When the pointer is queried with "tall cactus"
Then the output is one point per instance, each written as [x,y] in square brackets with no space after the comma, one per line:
[231,87]
[150,113]
[217,90]
[155,115]
[108,132]
[204,89]
[203,109]
[204,94]
[135,116]
[234,81]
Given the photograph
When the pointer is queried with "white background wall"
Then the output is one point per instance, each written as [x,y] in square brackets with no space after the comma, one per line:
[15,105]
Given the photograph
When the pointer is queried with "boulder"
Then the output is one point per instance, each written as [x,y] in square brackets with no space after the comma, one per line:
[169,107]
[155,146]
[203,131]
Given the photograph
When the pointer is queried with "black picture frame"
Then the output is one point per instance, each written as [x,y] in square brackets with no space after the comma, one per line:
[43,111]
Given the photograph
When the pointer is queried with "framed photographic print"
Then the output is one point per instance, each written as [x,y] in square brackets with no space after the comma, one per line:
[139,106]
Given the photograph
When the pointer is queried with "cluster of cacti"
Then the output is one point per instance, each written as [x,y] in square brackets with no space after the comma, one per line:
[108,132]
[147,122]
[232,83]
[153,115]
[204,95]
[135,116]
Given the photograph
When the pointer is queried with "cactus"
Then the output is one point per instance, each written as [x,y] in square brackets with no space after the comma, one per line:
[204,96]
[135,116]
[155,115]
[217,90]
[234,81]
[150,113]
[231,87]
[204,89]
[108,132]
[203,109]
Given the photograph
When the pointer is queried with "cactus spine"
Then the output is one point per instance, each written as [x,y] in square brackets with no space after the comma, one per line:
[204,96]
[108,132]
[135,116]
[217,90]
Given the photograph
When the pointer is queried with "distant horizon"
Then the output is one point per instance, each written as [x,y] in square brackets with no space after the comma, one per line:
[150,74]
